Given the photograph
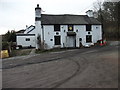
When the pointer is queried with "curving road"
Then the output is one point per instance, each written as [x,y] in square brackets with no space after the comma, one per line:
[95,67]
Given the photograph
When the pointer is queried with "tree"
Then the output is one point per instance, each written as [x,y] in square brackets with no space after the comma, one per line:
[10,36]
[108,15]
[13,36]
[7,36]
[111,11]
[8,39]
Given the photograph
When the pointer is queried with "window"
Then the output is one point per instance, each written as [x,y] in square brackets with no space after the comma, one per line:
[80,39]
[88,38]
[88,27]
[56,27]
[77,30]
[57,40]
[27,39]
[70,27]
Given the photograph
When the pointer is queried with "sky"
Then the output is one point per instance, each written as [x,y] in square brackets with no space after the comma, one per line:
[16,14]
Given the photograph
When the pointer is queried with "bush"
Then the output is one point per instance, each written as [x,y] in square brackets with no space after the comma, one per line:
[5,46]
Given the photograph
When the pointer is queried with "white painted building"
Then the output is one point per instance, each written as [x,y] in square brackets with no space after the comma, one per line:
[61,31]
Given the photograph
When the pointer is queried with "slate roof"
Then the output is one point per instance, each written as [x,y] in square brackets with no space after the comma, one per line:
[47,19]
[20,31]
[25,34]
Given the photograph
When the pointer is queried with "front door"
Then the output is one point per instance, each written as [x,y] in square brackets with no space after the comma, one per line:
[71,41]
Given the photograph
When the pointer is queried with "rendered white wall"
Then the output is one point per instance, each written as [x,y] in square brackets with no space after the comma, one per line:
[48,35]
[80,34]
[64,30]
[97,33]
[38,32]
[21,40]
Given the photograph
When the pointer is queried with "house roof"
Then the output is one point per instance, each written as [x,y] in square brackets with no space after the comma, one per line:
[20,31]
[30,29]
[67,19]
[25,34]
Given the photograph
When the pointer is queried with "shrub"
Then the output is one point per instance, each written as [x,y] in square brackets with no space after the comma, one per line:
[5,46]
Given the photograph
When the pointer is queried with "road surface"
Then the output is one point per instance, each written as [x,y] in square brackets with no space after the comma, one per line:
[95,67]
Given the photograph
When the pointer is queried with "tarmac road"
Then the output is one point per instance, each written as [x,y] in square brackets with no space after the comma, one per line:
[95,67]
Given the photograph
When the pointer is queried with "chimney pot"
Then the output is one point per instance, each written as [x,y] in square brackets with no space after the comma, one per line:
[37,5]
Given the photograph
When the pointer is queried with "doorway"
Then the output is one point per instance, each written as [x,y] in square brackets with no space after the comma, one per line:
[71,41]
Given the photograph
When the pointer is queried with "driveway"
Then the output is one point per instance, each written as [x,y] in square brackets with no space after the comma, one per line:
[95,67]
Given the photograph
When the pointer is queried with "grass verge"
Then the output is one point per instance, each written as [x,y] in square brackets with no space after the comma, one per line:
[20,52]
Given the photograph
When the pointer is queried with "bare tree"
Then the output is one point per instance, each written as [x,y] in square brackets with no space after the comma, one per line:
[98,7]
[108,15]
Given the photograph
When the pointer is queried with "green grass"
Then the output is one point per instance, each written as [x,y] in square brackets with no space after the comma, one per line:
[20,52]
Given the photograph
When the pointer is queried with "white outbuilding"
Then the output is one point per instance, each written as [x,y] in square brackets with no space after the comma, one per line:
[51,31]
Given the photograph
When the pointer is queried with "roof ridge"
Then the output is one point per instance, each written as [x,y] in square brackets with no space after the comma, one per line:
[63,15]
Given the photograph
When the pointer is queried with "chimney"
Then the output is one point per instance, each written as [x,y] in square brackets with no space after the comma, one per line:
[37,13]
[95,15]
[38,30]
[90,13]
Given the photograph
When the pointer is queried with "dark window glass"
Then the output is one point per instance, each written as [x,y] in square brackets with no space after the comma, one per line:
[27,39]
[70,27]
[88,38]
[57,40]
[80,39]
[56,27]
[88,27]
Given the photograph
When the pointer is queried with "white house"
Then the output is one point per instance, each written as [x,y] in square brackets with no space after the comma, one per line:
[51,31]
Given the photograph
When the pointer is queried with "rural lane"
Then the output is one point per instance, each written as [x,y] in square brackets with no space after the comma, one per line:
[95,67]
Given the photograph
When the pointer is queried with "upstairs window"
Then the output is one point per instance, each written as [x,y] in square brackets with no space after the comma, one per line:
[88,27]
[56,27]
[70,27]
[27,39]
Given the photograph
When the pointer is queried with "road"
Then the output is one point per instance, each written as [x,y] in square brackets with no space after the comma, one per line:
[95,67]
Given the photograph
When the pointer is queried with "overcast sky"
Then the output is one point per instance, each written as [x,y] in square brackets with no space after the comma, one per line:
[16,14]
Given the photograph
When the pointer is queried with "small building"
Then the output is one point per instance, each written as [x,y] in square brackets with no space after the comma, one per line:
[51,31]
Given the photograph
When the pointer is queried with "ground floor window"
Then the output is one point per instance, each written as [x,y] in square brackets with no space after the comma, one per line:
[57,40]
[88,38]
[27,39]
